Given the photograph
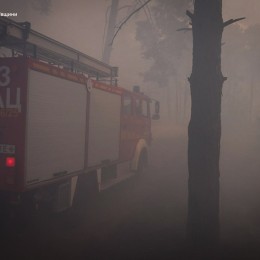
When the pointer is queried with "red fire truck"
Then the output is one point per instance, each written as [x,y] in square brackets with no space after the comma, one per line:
[64,124]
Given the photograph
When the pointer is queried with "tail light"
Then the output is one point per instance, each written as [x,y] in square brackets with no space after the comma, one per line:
[10,162]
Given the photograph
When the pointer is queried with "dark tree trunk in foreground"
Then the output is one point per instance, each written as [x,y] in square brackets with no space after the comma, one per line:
[205,124]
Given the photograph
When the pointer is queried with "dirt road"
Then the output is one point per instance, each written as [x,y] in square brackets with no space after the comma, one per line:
[143,218]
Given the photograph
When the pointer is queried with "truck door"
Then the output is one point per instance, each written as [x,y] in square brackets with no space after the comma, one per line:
[142,121]
[126,142]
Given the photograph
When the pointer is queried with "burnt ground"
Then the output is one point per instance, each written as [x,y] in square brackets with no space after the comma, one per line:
[144,218]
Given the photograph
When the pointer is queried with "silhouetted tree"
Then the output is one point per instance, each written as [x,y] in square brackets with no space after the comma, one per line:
[166,48]
[205,124]
[206,82]
[110,31]
[242,92]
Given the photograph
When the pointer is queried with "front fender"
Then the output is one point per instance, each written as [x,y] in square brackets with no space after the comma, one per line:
[141,145]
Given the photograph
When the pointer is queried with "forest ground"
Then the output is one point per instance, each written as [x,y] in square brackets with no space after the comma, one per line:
[145,217]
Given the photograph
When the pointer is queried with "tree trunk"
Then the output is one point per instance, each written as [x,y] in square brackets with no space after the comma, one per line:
[169,101]
[251,102]
[110,32]
[205,124]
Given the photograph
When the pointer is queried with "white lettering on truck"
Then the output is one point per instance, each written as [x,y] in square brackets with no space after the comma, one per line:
[5,76]
[4,82]
[17,104]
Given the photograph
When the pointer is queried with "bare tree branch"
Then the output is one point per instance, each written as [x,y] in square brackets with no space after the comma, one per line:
[190,14]
[127,18]
[231,21]
[123,7]
[184,29]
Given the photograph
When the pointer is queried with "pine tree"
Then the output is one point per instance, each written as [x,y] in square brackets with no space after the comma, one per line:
[206,82]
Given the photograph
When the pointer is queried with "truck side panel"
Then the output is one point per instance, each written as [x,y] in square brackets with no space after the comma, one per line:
[13,94]
[56,127]
[104,127]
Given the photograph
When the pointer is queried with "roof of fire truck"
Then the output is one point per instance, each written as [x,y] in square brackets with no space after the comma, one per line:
[21,39]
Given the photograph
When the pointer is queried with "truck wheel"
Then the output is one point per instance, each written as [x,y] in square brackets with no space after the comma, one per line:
[142,163]
[87,189]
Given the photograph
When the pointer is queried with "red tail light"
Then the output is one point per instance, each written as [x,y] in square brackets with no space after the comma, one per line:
[10,162]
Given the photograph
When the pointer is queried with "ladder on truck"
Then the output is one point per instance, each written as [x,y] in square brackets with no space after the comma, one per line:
[22,40]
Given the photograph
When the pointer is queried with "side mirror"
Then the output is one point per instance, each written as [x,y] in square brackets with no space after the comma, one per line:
[157,107]
[156,115]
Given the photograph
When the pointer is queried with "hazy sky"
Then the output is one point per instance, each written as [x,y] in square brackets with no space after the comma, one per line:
[80,24]
[242,8]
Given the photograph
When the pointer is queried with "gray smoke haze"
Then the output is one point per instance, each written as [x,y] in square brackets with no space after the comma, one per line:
[81,23]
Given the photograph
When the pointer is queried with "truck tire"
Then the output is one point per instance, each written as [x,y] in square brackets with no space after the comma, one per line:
[142,162]
[86,190]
